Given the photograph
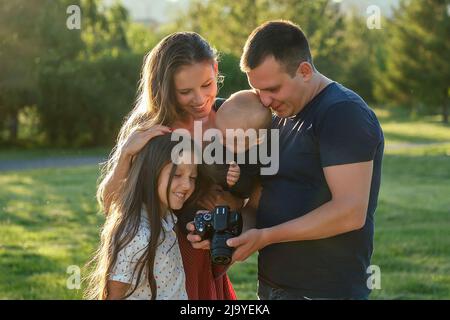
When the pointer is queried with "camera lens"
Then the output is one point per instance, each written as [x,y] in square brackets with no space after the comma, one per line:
[220,252]
[221,259]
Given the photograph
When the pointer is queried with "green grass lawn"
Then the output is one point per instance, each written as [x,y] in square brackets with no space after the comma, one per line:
[48,222]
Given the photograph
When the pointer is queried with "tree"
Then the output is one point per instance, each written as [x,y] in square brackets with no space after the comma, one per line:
[227,24]
[104,29]
[19,47]
[364,58]
[324,25]
[417,68]
[81,82]
[84,97]
[32,33]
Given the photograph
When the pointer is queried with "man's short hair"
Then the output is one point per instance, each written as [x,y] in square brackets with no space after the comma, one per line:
[283,40]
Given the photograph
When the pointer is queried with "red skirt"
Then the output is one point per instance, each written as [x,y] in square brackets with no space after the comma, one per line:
[204,281]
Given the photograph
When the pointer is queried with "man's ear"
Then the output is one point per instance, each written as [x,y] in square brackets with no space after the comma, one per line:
[305,70]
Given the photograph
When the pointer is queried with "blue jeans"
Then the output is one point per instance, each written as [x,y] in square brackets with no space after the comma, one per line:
[266,292]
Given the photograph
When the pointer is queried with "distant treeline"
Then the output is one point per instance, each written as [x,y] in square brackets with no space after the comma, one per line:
[72,87]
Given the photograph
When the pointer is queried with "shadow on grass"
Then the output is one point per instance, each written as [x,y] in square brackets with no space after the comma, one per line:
[50,197]
[413,167]
[404,115]
[410,139]
[412,243]
[48,221]
[20,271]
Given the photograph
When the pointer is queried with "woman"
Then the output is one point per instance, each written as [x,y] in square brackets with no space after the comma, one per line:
[178,86]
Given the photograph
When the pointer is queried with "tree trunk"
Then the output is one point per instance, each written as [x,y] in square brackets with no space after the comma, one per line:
[13,126]
[445,110]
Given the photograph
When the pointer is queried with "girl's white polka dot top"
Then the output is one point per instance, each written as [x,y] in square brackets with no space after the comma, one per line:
[168,269]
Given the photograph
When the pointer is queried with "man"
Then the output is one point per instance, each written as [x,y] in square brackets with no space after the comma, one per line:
[314,218]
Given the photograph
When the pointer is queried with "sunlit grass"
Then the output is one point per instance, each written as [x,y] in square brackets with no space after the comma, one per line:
[49,221]
[401,129]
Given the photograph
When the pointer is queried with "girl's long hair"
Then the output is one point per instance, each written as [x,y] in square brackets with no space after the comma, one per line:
[140,190]
[156,102]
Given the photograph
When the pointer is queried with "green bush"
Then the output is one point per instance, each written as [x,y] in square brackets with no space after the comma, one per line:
[234,78]
[83,102]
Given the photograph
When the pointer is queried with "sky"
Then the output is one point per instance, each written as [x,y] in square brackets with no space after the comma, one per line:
[164,10]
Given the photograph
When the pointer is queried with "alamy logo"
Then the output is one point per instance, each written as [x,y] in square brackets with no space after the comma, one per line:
[74,280]
[374,19]
[374,280]
[236,143]
[73,22]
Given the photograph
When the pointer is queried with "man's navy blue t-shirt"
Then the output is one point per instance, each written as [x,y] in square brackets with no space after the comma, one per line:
[336,127]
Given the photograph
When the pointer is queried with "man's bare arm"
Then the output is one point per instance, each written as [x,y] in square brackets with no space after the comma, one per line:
[346,211]
[116,290]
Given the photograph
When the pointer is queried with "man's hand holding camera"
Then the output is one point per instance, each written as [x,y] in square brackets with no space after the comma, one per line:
[247,243]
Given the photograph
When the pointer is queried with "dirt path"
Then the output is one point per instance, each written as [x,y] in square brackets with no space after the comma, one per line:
[412,145]
[74,161]
[53,162]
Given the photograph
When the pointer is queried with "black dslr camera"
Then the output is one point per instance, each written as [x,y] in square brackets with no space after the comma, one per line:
[219,225]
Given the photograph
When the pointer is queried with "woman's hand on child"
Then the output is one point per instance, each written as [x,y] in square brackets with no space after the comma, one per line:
[138,139]
[233,174]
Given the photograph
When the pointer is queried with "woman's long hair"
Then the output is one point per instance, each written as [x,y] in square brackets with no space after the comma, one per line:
[156,102]
[140,190]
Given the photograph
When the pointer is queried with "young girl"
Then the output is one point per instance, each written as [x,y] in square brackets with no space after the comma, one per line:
[139,255]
